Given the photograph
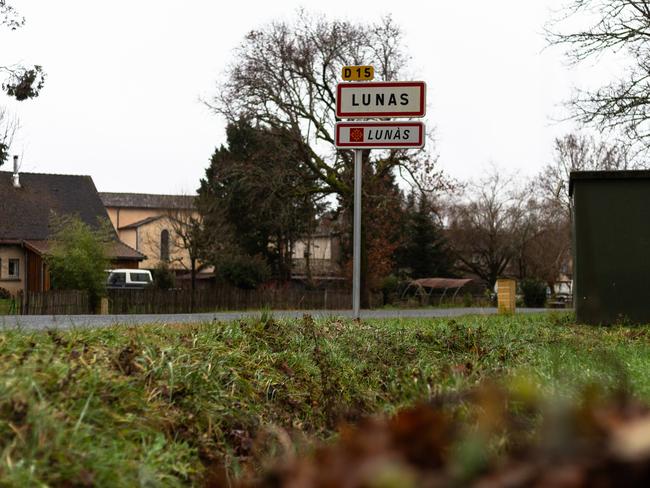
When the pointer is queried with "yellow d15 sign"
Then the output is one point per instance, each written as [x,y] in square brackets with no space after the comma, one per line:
[358,73]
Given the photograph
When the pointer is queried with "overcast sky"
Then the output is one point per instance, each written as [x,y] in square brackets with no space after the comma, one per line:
[124,79]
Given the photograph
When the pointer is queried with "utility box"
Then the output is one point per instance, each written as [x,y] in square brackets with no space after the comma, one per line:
[611,246]
[506,295]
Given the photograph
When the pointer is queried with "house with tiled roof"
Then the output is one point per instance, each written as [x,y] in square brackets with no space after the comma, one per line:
[27,203]
[318,255]
[150,223]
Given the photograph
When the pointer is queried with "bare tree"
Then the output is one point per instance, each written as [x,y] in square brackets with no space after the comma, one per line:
[547,253]
[485,227]
[610,27]
[525,230]
[21,82]
[186,237]
[187,231]
[9,17]
[542,240]
[575,152]
[8,127]
[284,77]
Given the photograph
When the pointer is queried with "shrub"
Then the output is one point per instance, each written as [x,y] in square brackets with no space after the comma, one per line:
[389,286]
[78,256]
[4,294]
[163,277]
[534,292]
[243,271]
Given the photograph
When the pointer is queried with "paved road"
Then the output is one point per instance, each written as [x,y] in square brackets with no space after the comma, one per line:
[38,322]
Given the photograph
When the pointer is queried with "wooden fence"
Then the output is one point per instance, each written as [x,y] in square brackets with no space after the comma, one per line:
[209,299]
[226,298]
[54,302]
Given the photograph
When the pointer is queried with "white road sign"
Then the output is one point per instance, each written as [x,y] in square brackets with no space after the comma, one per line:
[382,99]
[380,135]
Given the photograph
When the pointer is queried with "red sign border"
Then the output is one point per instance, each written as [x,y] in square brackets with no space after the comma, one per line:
[360,145]
[380,84]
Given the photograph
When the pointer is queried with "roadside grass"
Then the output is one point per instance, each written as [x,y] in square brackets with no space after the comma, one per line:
[5,306]
[179,405]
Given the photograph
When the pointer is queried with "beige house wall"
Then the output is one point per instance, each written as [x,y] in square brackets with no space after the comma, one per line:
[149,244]
[146,238]
[112,215]
[121,217]
[320,248]
[129,237]
[12,252]
[324,254]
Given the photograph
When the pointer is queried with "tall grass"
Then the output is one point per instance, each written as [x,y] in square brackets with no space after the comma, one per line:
[172,405]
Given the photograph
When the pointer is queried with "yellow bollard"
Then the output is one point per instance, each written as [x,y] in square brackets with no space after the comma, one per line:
[506,295]
[103,306]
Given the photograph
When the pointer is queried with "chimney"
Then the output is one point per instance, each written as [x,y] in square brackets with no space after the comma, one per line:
[16,177]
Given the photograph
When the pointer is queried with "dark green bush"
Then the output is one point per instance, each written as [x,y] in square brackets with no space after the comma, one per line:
[4,294]
[243,271]
[389,286]
[163,277]
[534,292]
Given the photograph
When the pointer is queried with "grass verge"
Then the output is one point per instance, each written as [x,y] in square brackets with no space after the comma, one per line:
[175,405]
[5,306]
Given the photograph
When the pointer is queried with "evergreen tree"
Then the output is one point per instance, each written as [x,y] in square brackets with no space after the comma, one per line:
[424,252]
[381,229]
[255,199]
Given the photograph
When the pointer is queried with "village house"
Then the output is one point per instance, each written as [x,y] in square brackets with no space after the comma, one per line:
[317,256]
[27,203]
[151,225]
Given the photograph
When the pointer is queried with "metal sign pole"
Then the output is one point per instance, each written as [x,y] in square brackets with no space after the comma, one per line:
[356,258]
[353,135]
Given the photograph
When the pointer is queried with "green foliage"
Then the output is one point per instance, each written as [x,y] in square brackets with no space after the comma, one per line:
[20,82]
[25,83]
[534,292]
[77,257]
[243,271]
[389,287]
[9,17]
[163,277]
[169,405]
[423,252]
[256,189]
[4,152]
[4,293]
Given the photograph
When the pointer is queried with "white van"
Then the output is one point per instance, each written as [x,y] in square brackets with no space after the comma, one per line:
[128,278]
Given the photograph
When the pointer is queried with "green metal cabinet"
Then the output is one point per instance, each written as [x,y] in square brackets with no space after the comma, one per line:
[611,246]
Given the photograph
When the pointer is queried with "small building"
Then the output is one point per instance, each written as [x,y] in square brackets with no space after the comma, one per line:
[611,237]
[318,255]
[150,224]
[27,202]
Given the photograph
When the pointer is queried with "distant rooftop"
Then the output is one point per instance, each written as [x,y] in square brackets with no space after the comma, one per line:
[25,212]
[146,200]
[140,223]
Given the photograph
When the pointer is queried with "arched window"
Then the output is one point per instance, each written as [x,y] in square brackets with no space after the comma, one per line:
[164,245]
